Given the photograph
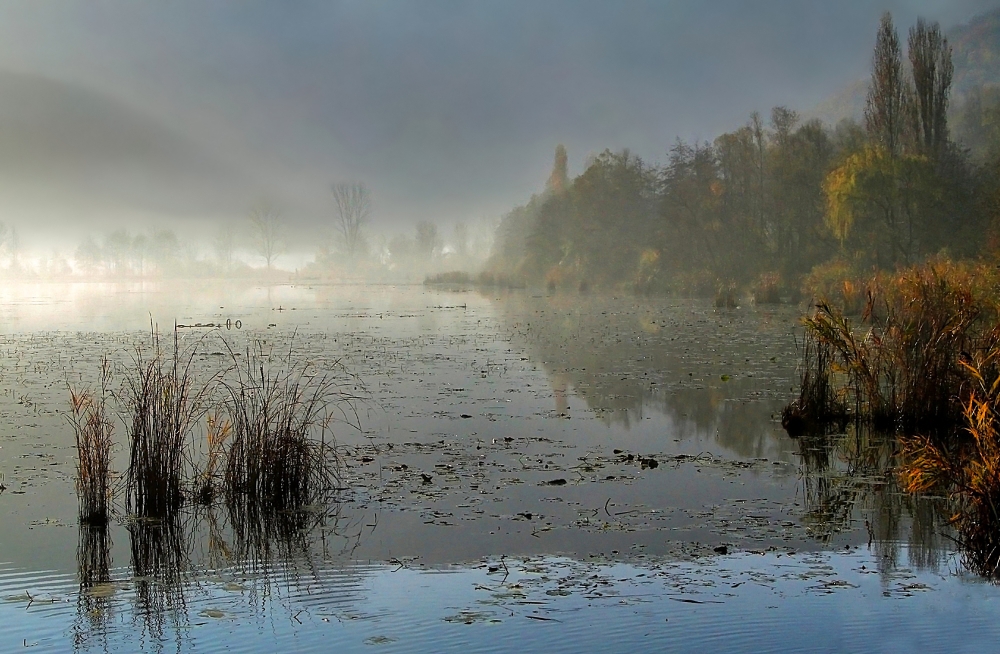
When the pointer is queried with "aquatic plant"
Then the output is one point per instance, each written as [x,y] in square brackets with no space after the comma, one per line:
[767,289]
[726,296]
[160,397]
[282,452]
[450,277]
[901,364]
[820,407]
[93,428]
[207,480]
[967,472]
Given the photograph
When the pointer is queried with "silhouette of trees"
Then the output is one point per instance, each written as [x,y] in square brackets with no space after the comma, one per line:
[932,68]
[267,232]
[352,211]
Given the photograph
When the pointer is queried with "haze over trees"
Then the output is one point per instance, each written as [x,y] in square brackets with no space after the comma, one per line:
[778,200]
[267,232]
[352,211]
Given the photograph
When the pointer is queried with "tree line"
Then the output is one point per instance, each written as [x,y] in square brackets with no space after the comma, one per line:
[779,200]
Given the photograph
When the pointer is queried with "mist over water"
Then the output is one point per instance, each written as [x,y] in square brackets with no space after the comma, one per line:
[455,327]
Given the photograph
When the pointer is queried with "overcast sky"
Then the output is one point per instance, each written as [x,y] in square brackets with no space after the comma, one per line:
[192,111]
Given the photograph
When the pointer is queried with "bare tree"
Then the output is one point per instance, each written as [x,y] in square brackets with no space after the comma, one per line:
[885,109]
[268,231]
[224,244]
[930,60]
[352,209]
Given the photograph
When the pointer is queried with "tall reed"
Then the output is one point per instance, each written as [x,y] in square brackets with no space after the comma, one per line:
[969,471]
[902,364]
[93,428]
[282,452]
[160,396]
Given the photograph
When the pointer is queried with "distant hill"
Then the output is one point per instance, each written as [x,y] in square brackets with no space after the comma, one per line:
[975,52]
[68,146]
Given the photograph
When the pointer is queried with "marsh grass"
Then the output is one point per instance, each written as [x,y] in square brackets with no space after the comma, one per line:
[93,428]
[162,402]
[901,365]
[767,289]
[208,478]
[727,297]
[967,471]
[923,364]
[281,452]
[820,408]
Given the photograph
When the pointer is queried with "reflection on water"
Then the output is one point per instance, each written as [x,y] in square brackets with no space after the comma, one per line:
[160,559]
[260,556]
[93,600]
[712,375]
[852,477]
[489,443]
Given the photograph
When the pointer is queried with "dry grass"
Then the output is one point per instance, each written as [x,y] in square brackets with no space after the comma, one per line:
[160,397]
[94,429]
[967,471]
[902,364]
[282,453]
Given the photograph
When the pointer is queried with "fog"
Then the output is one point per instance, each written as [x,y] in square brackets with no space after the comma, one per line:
[173,121]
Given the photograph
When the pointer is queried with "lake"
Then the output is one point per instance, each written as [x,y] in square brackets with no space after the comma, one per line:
[520,471]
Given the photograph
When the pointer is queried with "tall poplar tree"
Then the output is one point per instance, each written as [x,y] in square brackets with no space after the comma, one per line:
[930,60]
[885,108]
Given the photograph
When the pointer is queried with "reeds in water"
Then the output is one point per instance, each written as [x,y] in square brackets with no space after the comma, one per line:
[820,407]
[94,429]
[902,364]
[160,396]
[968,471]
[281,453]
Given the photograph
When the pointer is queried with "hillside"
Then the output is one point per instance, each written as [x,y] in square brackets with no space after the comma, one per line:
[64,146]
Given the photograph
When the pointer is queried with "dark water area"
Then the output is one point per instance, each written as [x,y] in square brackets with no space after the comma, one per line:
[573,472]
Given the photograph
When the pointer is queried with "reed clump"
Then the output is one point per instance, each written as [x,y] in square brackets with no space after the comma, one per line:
[900,368]
[727,296]
[162,403]
[268,443]
[967,471]
[923,364]
[455,277]
[93,428]
[820,407]
[281,452]
[767,289]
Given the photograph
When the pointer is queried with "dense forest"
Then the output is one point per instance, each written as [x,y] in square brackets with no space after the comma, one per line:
[780,204]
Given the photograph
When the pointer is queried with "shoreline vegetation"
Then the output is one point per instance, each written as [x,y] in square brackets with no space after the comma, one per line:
[919,364]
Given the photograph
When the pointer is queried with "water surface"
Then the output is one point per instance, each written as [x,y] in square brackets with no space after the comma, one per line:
[501,480]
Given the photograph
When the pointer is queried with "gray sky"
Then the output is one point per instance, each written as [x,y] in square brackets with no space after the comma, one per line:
[191,111]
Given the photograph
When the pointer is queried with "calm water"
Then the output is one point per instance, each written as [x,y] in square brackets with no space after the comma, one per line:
[499,495]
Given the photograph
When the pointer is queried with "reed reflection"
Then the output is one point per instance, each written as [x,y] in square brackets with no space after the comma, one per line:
[96,589]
